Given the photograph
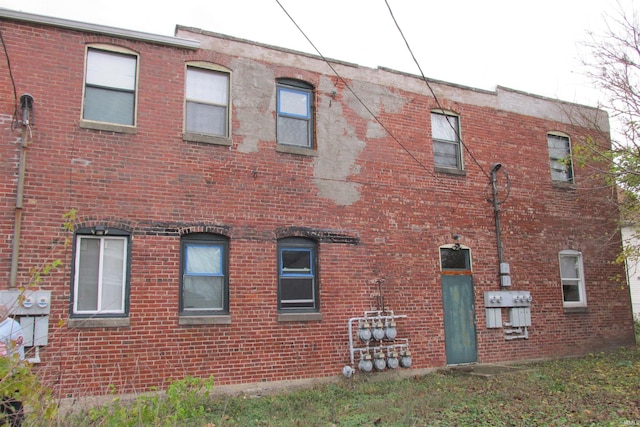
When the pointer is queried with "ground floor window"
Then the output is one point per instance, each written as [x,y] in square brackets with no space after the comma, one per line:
[297,275]
[572,277]
[204,277]
[100,276]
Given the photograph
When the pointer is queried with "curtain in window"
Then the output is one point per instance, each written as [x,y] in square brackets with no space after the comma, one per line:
[203,287]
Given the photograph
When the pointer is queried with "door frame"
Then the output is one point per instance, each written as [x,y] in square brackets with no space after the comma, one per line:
[464,269]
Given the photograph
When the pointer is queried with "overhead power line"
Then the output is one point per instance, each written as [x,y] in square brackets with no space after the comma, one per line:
[355,94]
[13,83]
[435,97]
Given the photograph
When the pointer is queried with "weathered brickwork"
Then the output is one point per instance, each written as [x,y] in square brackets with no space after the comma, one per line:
[374,203]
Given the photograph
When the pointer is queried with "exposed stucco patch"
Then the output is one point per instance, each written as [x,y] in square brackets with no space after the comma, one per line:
[378,99]
[338,150]
[253,103]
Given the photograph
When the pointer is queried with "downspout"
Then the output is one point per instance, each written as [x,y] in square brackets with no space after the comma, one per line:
[496,211]
[26,103]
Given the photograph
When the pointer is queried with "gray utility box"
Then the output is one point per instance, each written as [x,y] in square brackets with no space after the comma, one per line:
[518,303]
[31,309]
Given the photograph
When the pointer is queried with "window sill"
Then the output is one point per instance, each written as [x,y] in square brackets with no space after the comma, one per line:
[105,322]
[204,320]
[110,127]
[572,310]
[450,171]
[291,149]
[207,139]
[299,317]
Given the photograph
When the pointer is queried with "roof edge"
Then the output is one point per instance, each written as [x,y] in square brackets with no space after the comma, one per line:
[99,29]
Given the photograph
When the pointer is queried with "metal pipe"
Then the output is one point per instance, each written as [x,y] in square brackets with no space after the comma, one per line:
[352,320]
[496,211]
[522,334]
[17,229]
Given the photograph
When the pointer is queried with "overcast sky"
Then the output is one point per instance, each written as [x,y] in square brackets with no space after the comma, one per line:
[533,46]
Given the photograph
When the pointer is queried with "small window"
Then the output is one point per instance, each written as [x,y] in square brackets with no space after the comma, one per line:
[204,279]
[110,87]
[295,114]
[101,277]
[572,277]
[455,258]
[560,158]
[207,102]
[445,132]
[297,275]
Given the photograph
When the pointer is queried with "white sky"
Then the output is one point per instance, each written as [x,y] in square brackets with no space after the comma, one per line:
[533,46]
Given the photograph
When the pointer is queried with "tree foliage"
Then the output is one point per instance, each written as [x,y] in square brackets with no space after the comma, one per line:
[613,64]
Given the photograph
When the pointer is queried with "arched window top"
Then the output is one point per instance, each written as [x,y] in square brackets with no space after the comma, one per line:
[303,240]
[113,48]
[295,83]
[204,236]
[208,66]
[569,252]
[102,230]
[444,112]
[558,133]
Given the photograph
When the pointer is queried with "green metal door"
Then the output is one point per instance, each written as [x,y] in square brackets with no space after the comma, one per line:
[459,313]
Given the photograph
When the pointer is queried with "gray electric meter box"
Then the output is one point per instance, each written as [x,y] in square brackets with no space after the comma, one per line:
[31,309]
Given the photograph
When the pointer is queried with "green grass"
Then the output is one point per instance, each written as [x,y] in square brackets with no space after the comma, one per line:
[595,390]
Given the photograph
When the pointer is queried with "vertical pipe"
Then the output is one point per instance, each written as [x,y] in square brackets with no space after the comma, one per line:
[22,165]
[496,210]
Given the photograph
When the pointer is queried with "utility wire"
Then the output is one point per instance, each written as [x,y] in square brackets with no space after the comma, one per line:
[355,94]
[13,83]
[432,91]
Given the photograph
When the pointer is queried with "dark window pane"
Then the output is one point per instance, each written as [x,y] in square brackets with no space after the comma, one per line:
[297,261]
[296,292]
[111,106]
[571,293]
[455,259]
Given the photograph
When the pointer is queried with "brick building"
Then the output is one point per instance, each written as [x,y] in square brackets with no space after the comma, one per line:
[247,212]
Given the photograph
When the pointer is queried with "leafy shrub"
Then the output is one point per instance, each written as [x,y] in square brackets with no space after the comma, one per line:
[17,381]
[184,400]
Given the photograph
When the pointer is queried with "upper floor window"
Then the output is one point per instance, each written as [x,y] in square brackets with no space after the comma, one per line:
[445,132]
[207,102]
[101,272]
[572,277]
[110,86]
[297,275]
[295,113]
[204,282]
[560,157]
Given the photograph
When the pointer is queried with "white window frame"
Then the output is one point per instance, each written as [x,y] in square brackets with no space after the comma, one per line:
[457,142]
[223,138]
[105,124]
[555,162]
[580,281]
[100,310]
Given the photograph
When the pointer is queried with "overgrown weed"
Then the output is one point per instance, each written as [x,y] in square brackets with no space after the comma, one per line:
[597,389]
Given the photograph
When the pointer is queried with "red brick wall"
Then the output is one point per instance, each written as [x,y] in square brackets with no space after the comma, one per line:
[156,184]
